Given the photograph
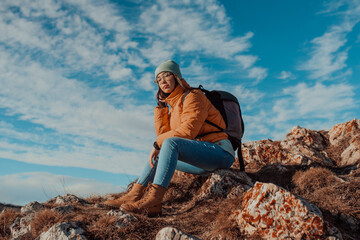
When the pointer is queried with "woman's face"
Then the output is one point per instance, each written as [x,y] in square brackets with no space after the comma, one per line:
[166,81]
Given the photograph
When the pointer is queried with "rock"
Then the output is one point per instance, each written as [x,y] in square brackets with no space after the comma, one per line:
[351,155]
[31,207]
[272,212]
[305,137]
[170,233]
[309,144]
[69,198]
[21,227]
[344,132]
[64,209]
[225,182]
[64,231]
[125,219]
[266,152]
[346,137]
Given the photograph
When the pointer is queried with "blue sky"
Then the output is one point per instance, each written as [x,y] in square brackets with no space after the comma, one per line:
[77,91]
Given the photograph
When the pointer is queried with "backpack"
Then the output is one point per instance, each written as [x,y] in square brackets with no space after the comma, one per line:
[229,107]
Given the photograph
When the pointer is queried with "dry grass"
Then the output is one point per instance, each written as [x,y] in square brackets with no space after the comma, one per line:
[225,226]
[103,228]
[308,181]
[43,220]
[335,198]
[7,217]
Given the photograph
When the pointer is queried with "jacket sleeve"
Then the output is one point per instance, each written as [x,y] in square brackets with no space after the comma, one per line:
[194,114]
[162,120]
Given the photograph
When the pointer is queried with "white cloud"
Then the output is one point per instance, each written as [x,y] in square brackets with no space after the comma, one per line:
[81,152]
[76,39]
[188,30]
[286,75]
[20,31]
[258,73]
[119,74]
[146,82]
[104,13]
[328,56]
[255,125]
[40,186]
[309,102]
[248,98]
[69,106]
[158,52]
[246,61]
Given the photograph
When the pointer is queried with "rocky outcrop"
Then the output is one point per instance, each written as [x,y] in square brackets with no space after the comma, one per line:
[21,227]
[170,233]
[303,146]
[307,186]
[31,207]
[272,212]
[264,152]
[308,144]
[346,137]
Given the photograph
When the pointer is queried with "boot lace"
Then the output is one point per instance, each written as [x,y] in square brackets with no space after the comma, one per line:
[148,192]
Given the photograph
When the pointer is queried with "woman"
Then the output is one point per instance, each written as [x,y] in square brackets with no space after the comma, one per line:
[185,142]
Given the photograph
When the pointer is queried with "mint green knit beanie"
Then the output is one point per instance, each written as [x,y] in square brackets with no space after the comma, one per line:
[168,66]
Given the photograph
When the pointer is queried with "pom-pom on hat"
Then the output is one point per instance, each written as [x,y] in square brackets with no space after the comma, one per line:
[168,66]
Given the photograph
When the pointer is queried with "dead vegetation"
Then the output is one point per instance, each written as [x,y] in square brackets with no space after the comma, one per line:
[7,217]
[206,219]
[328,191]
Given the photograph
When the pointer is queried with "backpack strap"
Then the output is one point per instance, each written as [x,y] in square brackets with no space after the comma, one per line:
[237,145]
[185,94]
[240,159]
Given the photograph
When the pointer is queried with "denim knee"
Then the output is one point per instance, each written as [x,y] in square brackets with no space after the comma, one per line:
[171,142]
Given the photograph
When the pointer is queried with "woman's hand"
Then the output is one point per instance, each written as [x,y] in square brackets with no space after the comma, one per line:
[153,156]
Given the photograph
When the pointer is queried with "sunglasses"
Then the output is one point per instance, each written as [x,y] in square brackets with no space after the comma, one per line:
[162,78]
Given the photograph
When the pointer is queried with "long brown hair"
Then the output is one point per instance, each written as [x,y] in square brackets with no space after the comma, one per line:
[161,96]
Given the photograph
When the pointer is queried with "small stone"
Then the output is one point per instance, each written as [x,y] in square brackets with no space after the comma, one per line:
[170,233]
[222,182]
[124,219]
[64,231]
[69,198]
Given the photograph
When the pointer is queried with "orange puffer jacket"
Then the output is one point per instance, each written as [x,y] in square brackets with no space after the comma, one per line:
[187,117]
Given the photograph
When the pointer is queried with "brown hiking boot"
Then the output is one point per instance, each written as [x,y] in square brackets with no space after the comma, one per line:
[151,204]
[135,194]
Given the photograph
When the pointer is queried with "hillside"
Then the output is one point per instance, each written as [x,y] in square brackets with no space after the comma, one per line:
[305,186]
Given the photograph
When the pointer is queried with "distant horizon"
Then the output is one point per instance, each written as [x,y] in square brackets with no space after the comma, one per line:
[77,93]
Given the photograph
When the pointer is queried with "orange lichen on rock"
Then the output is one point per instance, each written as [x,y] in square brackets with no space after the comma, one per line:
[272,212]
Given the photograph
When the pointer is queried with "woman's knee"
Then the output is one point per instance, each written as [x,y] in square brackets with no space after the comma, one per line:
[171,142]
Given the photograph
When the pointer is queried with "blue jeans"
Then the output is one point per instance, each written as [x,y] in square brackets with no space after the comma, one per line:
[185,155]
